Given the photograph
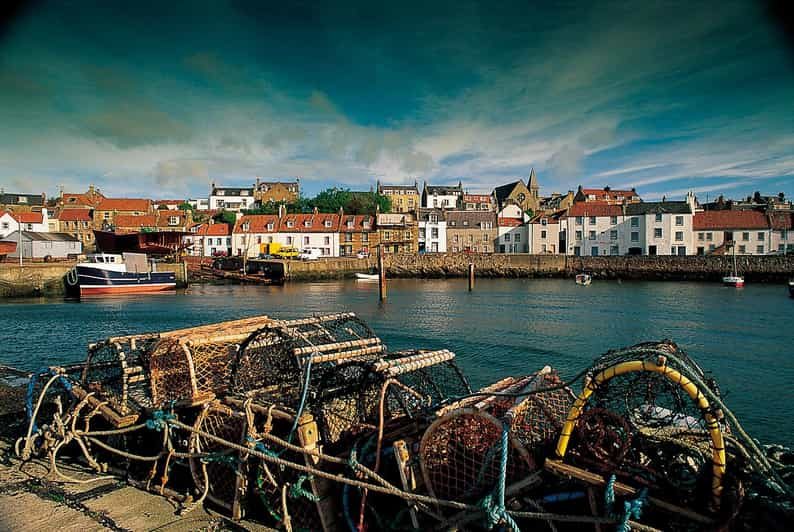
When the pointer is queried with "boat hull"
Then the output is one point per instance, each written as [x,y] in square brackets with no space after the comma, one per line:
[367,276]
[734,282]
[96,281]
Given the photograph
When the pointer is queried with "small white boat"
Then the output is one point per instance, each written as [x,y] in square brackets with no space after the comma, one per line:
[366,276]
[733,279]
[583,279]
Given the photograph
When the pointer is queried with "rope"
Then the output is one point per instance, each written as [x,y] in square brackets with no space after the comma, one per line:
[159,420]
[609,494]
[632,508]
[494,505]
[297,490]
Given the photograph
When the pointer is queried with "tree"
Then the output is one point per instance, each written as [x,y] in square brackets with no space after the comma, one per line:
[185,207]
[225,217]
[330,200]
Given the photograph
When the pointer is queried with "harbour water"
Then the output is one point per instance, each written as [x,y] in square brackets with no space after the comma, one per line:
[744,337]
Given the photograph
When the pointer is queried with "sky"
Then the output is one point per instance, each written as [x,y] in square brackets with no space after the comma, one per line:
[160,99]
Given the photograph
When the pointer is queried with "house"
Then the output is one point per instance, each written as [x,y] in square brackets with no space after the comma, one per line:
[129,223]
[21,202]
[715,231]
[106,211]
[398,232]
[404,198]
[252,231]
[170,204]
[607,195]
[665,227]
[471,231]
[45,245]
[517,193]
[442,197]
[556,202]
[88,200]
[432,237]
[28,220]
[231,198]
[78,222]
[163,220]
[512,235]
[315,230]
[276,191]
[478,202]
[209,240]
[545,233]
[357,233]
[782,236]
[200,204]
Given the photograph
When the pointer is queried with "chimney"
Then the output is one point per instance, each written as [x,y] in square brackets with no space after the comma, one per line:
[315,211]
[282,211]
[341,211]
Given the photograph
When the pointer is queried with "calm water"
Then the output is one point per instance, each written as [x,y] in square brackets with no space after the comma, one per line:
[504,327]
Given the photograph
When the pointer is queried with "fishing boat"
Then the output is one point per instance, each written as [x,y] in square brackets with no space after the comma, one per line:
[733,279]
[584,279]
[127,273]
[366,276]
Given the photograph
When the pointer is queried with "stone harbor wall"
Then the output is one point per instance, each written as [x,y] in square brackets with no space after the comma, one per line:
[485,265]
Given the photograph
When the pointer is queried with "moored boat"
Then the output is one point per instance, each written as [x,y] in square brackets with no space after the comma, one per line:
[733,279]
[367,276]
[128,273]
[584,279]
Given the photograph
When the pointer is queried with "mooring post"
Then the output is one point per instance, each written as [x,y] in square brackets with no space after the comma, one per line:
[381,276]
[471,276]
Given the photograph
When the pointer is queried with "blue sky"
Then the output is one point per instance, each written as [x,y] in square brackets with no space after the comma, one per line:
[160,99]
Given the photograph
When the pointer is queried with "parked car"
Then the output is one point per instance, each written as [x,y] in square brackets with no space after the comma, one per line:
[310,254]
[362,254]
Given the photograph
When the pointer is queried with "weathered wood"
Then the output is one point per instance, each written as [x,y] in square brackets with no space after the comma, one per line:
[471,276]
[116,419]
[399,366]
[381,276]
[335,346]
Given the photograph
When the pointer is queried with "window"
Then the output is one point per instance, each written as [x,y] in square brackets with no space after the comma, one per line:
[594,251]
[270,226]
[577,251]
[422,233]
[455,249]
[679,220]
[517,237]
[22,199]
[659,217]
[613,220]
[613,235]
[289,240]
[305,240]
[485,237]
[307,223]
[408,235]
[349,224]
[290,223]
[635,236]
[348,237]
[592,235]
[614,250]
[761,237]
[173,220]
[471,238]
[433,218]
[592,220]
[258,239]
[578,235]
[455,239]
[245,226]
[543,234]
[5,225]
[679,236]
[327,240]
[434,232]
[746,237]
[709,237]
[579,220]
[711,247]
[635,222]
[760,249]
[657,232]
[387,235]
[327,223]
[701,236]
[106,215]
[742,249]
[784,234]
[543,221]
[465,223]
[366,224]
[365,237]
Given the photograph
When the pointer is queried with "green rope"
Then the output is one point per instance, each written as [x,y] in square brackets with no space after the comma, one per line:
[297,490]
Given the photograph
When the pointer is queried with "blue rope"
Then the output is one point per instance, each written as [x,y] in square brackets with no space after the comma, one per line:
[632,509]
[494,505]
[31,388]
[609,495]
[304,394]
[562,497]
[159,420]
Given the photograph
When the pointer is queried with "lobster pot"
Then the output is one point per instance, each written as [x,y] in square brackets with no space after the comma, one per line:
[116,372]
[460,456]
[223,473]
[276,355]
[192,366]
[538,419]
[433,374]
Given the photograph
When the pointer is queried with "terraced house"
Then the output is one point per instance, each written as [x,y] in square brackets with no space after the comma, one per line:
[357,233]
[78,222]
[21,202]
[404,198]
[717,231]
[108,209]
[398,232]
[276,191]
[471,231]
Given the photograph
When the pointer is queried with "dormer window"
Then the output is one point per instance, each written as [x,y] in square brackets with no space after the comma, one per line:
[366,224]
[327,223]
[220,192]
[465,222]
[243,192]
[433,218]
[307,223]
[173,220]
[246,226]
[349,224]
[290,223]
[72,200]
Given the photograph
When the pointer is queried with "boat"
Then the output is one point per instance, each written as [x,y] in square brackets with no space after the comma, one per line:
[791,287]
[733,279]
[126,273]
[584,279]
[367,276]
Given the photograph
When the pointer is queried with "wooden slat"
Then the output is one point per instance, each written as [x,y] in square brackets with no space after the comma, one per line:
[335,346]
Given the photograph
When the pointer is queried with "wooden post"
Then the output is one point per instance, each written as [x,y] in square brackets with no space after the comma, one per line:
[184,271]
[381,275]
[471,276]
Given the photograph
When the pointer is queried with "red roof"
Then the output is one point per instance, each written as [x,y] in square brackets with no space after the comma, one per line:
[358,223]
[75,215]
[310,223]
[257,223]
[7,247]
[28,217]
[509,222]
[477,198]
[601,194]
[781,220]
[730,220]
[124,204]
[214,230]
[127,220]
[169,202]
[594,208]
[82,199]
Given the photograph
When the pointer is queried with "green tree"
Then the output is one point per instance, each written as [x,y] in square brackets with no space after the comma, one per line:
[185,207]
[225,217]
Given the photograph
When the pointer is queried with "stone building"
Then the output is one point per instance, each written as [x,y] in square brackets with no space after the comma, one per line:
[357,233]
[276,191]
[526,196]
[78,222]
[105,213]
[477,202]
[471,231]
[14,202]
[398,232]
[87,200]
[404,198]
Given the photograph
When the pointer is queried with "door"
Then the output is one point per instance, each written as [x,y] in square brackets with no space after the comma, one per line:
[594,251]
[651,250]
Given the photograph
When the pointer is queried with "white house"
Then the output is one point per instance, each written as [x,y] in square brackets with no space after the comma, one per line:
[316,230]
[512,236]
[252,231]
[545,233]
[665,227]
[442,197]
[37,222]
[749,230]
[39,245]
[231,198]
[432,231]
[781,239]
[199,204]
[209,240]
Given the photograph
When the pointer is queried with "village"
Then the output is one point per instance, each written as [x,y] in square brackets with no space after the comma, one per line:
[514,218]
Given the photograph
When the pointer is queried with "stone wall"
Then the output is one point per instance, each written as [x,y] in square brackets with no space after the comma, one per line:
[335,268]
[485,265]
[33,279]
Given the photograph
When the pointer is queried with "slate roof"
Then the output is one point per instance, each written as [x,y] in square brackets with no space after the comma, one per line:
[423,214]
[13,199]
[503,191]
[457,219]
[656,207]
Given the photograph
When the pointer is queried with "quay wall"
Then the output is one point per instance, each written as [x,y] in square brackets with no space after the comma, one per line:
[33,279]
[485,265]
[332,268]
